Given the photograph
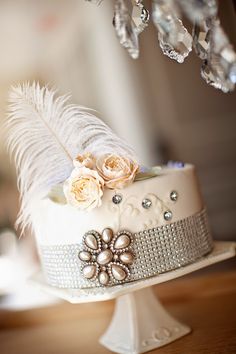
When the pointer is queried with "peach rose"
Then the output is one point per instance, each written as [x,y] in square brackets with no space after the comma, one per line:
[84,188]
[117,171]
[85,160]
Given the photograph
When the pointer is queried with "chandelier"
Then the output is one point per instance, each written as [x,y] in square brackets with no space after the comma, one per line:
[208,38]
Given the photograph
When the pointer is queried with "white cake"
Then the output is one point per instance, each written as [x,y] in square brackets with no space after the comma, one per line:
[100,218]
[164,217]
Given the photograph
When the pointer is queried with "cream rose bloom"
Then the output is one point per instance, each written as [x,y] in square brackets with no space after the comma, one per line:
[85,160]
[84,188]
[117,171]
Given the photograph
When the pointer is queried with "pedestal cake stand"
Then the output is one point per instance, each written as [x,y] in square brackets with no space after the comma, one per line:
[140,323]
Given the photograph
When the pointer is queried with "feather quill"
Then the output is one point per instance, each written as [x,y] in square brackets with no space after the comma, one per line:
[44,134]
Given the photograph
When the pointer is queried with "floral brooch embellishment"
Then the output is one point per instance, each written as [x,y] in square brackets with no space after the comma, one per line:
[106,256]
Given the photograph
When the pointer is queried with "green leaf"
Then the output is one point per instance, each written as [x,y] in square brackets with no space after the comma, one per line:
[57,195]
[151,173]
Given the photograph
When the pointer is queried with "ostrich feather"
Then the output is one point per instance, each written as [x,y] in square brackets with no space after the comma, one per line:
[44,134]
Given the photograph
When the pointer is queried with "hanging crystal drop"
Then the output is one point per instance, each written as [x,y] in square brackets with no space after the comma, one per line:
[199,10]
[140,16]
[175,41]
[224,49]
[201,39]
[218,69]
[211,78]
[129,22]
[232,73]
[125,29]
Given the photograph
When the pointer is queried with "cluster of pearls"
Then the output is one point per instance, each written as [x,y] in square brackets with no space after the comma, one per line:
[106,256]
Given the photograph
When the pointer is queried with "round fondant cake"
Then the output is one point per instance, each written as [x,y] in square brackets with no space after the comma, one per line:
[150,227]
[99,217]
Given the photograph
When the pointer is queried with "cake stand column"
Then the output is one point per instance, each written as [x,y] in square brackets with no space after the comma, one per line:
[140,323]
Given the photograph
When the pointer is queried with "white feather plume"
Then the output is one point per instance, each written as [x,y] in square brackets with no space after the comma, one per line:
[45,134]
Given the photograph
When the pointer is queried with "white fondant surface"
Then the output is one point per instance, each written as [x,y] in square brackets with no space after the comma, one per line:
[62,224]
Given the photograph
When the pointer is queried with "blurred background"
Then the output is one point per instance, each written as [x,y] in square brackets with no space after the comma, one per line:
[164,109]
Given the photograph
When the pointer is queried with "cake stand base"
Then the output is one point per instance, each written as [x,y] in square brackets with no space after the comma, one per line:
[140,324]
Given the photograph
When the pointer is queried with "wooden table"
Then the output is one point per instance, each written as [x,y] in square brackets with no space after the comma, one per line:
[205,300]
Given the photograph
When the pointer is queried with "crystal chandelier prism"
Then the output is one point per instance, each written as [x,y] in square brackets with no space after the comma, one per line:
[208,39]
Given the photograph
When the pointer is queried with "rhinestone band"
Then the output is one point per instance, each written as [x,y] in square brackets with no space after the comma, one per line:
[156,250]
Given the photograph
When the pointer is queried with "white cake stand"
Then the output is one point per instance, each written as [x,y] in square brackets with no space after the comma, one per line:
[140,323]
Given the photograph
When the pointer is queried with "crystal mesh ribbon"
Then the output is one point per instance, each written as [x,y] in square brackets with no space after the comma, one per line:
[157,250]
